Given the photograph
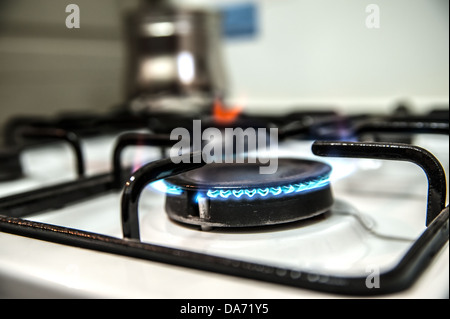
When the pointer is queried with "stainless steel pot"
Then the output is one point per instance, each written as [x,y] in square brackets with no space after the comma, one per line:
[174,53]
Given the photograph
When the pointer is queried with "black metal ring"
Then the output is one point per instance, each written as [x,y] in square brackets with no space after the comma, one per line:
[59,134]
[368,125]
[403,126]
[136,183]
[11,128]
[437,187]
[134,139]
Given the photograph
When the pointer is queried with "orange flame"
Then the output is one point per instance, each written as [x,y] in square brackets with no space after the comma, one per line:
[224,115]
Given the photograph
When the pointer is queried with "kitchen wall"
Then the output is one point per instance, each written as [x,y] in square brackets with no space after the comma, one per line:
[322,53]
[302,52]
[46,68]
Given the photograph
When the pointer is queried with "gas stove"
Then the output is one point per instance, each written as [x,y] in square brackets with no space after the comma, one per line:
[93,206]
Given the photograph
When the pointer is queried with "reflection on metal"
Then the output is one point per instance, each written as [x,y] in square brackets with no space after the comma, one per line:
[161,68]
[186,67]
[159,29]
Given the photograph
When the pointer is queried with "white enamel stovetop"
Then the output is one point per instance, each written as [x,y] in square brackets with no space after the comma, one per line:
[379,211]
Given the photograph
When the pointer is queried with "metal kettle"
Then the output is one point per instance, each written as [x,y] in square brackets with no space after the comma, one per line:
[174,57]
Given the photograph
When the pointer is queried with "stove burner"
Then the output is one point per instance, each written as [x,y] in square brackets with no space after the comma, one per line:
[237,195]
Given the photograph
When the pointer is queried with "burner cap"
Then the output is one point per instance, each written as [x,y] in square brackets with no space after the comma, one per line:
[237,195]
[10,167]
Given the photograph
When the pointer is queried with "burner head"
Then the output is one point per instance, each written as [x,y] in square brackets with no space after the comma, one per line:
[237,195]
[10,166]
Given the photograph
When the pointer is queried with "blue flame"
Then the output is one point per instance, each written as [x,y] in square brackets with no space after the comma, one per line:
[256,192]
[269,191]
[166,188]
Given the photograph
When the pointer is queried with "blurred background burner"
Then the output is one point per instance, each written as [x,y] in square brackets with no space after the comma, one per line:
[237,195]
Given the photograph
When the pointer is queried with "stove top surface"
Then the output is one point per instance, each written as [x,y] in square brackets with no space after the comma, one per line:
[378,213]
